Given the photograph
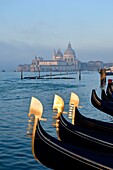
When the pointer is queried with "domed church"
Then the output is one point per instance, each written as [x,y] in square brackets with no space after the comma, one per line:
[60,62]
[69,55]
[57,55]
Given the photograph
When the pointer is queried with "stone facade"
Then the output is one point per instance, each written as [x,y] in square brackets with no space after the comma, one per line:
[59,62]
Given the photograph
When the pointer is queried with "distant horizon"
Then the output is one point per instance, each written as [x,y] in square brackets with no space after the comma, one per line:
[38,27]
[15,66]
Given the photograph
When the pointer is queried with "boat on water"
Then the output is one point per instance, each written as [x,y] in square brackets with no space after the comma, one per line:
[109,89]
[84,138]
[108,71]
[105,97]
[79,119]
[104,106]
[59,155]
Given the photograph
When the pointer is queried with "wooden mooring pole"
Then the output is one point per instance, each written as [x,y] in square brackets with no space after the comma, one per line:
[21,74]
[50,71]
[38,71]
[102,77]
[79,74]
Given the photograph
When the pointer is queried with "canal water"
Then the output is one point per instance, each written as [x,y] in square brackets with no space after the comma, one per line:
[15,97]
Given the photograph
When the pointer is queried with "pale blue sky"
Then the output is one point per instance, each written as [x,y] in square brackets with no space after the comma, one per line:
[37,27]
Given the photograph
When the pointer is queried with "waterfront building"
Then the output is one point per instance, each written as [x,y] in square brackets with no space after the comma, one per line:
[60,62]
[57,55]
[23,67]
[69,55]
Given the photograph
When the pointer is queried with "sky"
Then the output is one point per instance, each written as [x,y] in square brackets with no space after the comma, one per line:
[30,28]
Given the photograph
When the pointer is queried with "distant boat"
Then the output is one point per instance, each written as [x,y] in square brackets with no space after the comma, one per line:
[109,71]
[3,70]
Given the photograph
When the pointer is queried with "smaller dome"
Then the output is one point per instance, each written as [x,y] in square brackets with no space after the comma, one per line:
[59,54]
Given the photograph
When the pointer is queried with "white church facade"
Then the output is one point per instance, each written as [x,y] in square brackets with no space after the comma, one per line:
[60,62]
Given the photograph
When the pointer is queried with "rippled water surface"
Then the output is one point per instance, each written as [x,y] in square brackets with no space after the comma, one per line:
[15,97]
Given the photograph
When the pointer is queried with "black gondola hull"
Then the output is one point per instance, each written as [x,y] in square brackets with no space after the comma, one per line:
[104,106]
[99,141]
[55,154]
[92,124]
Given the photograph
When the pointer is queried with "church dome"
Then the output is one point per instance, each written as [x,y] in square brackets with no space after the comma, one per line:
[69,50]
[59,54]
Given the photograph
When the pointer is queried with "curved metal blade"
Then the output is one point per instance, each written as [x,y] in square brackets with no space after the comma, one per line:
[58,103]
[74,99]
[35,108]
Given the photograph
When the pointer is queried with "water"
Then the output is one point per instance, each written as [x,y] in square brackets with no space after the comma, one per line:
[15,97]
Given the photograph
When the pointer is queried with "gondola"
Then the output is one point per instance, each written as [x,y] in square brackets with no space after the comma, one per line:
[104,106]
[109,89]
[78,136]
[81,120]
[109,94]
[58,155]
[67,132]
[105,97]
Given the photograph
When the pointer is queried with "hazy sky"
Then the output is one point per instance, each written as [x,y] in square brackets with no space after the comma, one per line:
[30,28]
